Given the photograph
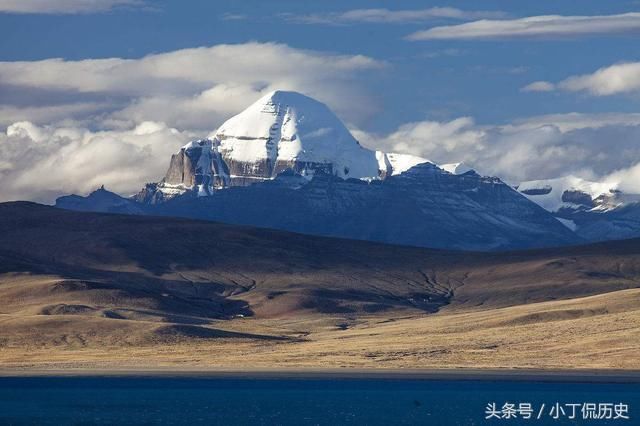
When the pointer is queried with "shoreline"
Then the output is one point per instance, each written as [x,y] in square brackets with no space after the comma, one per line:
[458,374]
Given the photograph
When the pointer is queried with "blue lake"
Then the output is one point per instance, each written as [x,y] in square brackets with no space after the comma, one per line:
[233,401]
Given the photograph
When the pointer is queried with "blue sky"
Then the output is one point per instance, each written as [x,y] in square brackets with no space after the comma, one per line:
[439,78]
[437,95]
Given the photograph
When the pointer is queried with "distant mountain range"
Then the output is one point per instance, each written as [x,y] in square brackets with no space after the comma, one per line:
[596,211]
[287,162]
[424,206]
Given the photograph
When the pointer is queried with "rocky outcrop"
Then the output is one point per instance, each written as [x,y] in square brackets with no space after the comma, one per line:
[196,168]
[578,198]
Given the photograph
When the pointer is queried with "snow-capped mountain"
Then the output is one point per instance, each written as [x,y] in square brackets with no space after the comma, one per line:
[280,131]
[595,210]
[570,193]
[287,130]
[287,162]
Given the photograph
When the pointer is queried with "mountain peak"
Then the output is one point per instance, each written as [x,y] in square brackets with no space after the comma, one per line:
[286,96]
[291,112]
[286,129]
[283,130]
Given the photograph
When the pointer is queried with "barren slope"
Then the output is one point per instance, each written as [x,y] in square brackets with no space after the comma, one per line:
[119,290]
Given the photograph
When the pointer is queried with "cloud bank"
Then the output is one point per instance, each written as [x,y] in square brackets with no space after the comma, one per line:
[548,26]
[535,148]
[40,163]
[612,80]
[386,16]
[190,88]
[65,6]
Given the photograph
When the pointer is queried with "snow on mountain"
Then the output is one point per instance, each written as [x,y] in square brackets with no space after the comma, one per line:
[391,164]
[289,130]
[402,162]
[569,192]
[280,131]
[596,211]
[456,168]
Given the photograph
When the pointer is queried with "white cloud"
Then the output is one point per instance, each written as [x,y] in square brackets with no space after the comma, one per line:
[431,139]
[539,86]
[233,17]
[64,6]
[191,88]
[536,148]
[612,80]
[185,69]
[615,79]
[41,162]
[549,26]
[626,180]
[195,111]
[576,121]
[49,113]
[386,16]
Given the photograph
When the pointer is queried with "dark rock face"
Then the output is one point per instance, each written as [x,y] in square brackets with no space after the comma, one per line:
[200,167]
[193,166]
[537,191]
[245,174]
[149,195]
[423,207]
[180,169]
[579,198]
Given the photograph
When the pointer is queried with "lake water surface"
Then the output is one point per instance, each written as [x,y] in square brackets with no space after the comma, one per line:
[262,401]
